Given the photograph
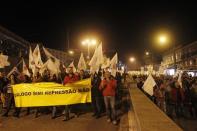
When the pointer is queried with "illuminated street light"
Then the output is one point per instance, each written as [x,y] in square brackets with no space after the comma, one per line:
[147,53]
[132,59]
[93,42]
[89,42]
[162,39]
[71,52]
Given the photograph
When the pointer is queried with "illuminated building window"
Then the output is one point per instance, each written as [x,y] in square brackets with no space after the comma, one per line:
[190,62]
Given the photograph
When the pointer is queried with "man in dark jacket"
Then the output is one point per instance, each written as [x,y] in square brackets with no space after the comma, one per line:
[96,94]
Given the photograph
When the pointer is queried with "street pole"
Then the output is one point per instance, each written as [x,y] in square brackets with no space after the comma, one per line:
[88,51]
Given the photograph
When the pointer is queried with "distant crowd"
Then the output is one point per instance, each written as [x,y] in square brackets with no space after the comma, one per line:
[177,98]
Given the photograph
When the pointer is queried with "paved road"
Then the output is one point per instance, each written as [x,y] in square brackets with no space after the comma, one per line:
[44,123]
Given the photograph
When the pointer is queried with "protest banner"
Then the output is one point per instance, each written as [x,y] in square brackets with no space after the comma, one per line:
[51,94]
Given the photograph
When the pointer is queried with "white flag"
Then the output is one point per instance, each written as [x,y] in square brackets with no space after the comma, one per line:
[113,64]
[106,63]
[43,68]
[37,57]
[52,67]
[100,58]
[4,61]
[31,59]
[149,84]
[93,60]
[55,61]
[93,66]
[25,69]
[72,66]
[48,54]
[81,63]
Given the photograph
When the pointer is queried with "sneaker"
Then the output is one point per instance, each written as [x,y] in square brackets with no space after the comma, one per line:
[114,122]
[108,120]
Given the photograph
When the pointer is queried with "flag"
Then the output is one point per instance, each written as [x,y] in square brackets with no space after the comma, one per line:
[81,63]
[93,60]
[51,66]
[113,64]
[93,66]
[56,62]
[106,63]
[31,59]
[4,61]
[37,57]
[72,66]
[149,84]
[25,69]
[48,54]
[100,58]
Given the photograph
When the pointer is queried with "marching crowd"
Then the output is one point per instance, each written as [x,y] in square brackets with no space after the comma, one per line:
[104,91]
[173,97]
[177,98]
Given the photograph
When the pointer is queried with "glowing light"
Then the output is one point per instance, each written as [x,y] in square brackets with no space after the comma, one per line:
[71,52]
[132,59]
[147,53]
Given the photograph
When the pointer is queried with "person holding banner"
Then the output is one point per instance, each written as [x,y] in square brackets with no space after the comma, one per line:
[108,88]
[10,96]
[70,78]
[53,78]
[3,83]
[23,79]
[37,78]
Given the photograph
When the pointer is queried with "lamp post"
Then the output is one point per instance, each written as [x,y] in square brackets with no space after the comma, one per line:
[163,40]
[133,61]
[88,43]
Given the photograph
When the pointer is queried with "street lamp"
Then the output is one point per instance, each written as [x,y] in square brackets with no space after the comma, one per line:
[163,40]
[89,42]
[132,59]
[71,52]
[147,53]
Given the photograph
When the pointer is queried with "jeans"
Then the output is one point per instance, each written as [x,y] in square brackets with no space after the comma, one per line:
[97,104]
[66,110]
[110,107]
[54,110]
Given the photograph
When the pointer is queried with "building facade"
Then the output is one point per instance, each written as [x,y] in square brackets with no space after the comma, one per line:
[182,57]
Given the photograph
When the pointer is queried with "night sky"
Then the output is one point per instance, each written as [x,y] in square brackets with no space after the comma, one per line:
[128,28]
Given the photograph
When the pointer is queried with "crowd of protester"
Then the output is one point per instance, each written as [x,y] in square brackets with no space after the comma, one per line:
[105,91]
[176,97]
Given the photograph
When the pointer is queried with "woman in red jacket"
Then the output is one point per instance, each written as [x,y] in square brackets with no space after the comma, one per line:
[108,86]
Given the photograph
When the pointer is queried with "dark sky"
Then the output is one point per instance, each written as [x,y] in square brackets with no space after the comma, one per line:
[128,28]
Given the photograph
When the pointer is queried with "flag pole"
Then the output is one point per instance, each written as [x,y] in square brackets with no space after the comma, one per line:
[13,68]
